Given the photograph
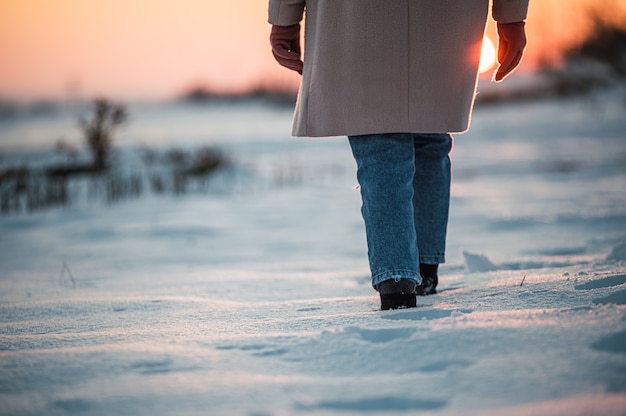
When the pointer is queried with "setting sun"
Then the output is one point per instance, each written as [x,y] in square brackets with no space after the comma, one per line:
[487,55]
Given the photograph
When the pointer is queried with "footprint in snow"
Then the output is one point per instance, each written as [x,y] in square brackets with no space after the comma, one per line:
[376,404]
[153,366]
[443,365]
[419,314]
[380,335]
[258,350]
[612,343]
[617,298]
[610,281]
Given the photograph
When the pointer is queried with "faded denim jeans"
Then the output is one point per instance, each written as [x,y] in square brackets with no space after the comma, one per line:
[405,189]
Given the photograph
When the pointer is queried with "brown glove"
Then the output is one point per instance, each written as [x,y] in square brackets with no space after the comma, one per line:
[285,41]
[511,44]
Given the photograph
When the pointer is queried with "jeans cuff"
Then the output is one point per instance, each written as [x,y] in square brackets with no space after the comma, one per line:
[433,259]
[401,274]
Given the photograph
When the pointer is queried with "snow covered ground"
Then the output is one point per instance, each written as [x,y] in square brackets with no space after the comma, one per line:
[253,297]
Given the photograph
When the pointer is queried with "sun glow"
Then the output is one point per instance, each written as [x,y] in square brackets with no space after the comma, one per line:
[154,49]
[487,55]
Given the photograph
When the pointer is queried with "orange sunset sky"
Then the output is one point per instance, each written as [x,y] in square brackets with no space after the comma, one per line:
[155,49]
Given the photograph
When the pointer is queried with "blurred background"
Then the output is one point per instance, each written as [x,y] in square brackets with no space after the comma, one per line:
[158,49]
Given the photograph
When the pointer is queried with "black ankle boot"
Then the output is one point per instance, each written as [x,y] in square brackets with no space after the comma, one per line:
[396,294]
[430,279]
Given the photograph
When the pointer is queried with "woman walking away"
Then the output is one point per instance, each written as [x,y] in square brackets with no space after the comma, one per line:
[396,77]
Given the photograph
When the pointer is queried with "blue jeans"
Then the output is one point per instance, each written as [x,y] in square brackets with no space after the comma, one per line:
[405,189]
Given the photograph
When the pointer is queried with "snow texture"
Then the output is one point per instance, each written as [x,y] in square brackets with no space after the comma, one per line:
[253,297]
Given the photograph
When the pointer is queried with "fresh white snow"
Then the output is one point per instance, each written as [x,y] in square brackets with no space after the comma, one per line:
[252,297]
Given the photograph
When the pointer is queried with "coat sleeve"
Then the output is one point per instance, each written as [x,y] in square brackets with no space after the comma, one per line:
[286,12]
[509,11]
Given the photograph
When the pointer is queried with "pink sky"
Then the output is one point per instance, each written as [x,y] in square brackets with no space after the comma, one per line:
[144,49]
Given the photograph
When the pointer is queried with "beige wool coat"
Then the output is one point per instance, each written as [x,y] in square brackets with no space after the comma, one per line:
[389,66]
